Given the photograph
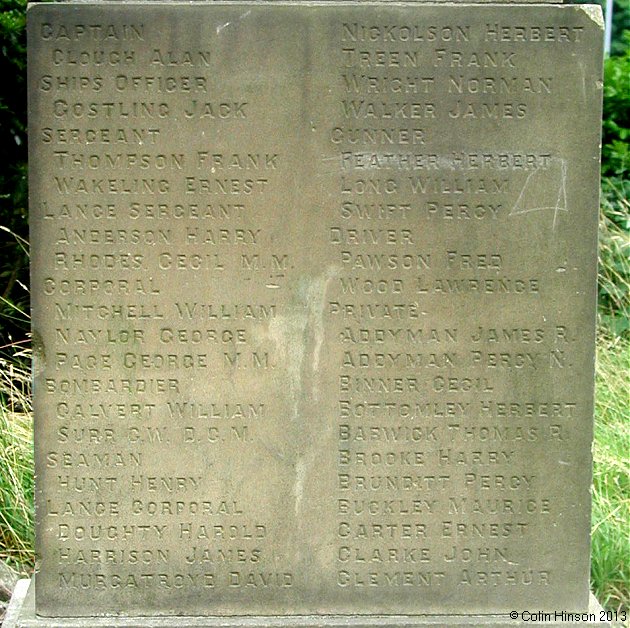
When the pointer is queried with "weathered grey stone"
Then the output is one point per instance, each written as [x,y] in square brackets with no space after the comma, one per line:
[28,619]
[314,296]
[8,579]
[15,611]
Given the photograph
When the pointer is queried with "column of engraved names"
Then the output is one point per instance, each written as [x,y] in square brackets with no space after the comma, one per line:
[409,374]
[501,500]
[102,298]
[136,224]
[385,495]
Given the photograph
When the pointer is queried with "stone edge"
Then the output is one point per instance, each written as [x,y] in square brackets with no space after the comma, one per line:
[14,610]
[338,2]
[21,614]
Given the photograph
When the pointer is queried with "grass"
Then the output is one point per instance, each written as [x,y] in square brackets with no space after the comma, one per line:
[614,257]
[610,544]
[16,465]
[610,552]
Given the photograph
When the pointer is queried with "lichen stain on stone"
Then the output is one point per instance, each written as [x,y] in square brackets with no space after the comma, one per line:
[39,354]
[298,335]
[287,333]
[594,13]
[316,304]
[300,332]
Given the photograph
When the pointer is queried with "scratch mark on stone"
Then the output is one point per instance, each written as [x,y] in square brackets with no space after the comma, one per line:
[274,451]
[298,484]
[520,207]
[222,26]
[561,201]
[519,200]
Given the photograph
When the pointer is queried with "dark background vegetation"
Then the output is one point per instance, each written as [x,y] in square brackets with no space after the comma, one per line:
[14,296]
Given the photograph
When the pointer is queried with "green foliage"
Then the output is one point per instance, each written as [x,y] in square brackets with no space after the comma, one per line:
[621,23]
[610,542]
[16,466]
[14,296]
[610,546]
[616,115]
[614,257]
[614,244]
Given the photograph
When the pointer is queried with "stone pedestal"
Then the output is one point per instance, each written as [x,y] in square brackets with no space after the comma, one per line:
[22,615]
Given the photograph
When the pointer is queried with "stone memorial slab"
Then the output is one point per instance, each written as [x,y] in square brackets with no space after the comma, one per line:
[314,304]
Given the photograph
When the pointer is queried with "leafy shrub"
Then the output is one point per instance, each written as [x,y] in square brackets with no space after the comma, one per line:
[14,296]
[621,23]
[616,115]
[614,246]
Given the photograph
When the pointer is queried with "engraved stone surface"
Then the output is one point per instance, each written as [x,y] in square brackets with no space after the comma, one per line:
[314,295]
